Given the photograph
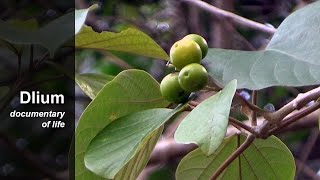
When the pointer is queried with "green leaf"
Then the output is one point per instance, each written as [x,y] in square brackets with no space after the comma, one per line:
[130,91]
[118,142]
[80,17]
[290,59]
[130,40]
[136,164]
[91,84]
[264,159]
[206,125]
[51,36]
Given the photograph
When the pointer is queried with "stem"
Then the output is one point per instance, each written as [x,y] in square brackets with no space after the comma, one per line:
[306,149]
[194,103]
[233,156]
[296,117]
[296,104]
[254,113]
[228,16]
[242,125]
[251,106]
[307,170]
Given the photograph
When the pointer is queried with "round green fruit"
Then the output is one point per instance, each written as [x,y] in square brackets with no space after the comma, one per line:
[171,90]
[200,41]
[193,77]
[185,52]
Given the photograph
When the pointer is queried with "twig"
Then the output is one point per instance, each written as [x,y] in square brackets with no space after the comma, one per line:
[295,117]
[233,156]
[306,149]
[242,125]
[118,61]
[231,17]
[167,148]
[307,170]
[254,113]
[194,103]
[251,106]
[300,101]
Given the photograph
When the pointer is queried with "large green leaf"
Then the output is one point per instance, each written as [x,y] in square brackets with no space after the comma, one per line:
[118,142]
[130,40]
[130,91]
[51,36]
[264,159]
[206,125]
[290,59]
[91,84]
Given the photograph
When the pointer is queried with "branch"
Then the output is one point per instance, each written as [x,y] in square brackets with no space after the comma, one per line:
[242,125]
[300,101]
[295,117]
[307,170]
[167,149]
[251,106]
[306,149]
[236,19]
[233,156]
[254,113]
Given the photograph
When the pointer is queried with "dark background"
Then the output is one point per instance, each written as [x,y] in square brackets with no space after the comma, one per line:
[28,151]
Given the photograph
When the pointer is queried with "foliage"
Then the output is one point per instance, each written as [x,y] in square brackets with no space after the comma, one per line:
[260,161]
[120,127]
[290,59]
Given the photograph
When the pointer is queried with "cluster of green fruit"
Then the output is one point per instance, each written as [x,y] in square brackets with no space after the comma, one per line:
[185,55]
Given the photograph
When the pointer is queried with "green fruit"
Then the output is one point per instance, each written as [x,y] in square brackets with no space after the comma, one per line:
[193,77]
[185,52]
[171,90]
[200,41]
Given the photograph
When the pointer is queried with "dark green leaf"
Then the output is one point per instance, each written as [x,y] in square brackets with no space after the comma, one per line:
[264,159]
[130,40]
[50,36]
[130,91]
[122,139]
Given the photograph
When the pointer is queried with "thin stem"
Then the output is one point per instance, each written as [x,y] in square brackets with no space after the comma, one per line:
[307,170]
[296,104]
[236,19]
[194,103]
[254,113]
[251,106]
[306,149]
[296,117]
[236,122]
[233,156]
